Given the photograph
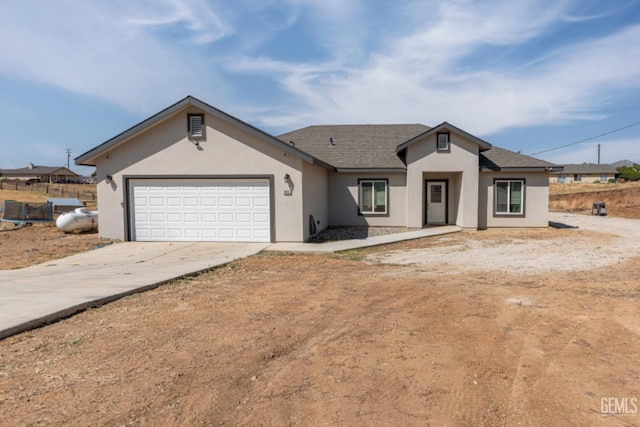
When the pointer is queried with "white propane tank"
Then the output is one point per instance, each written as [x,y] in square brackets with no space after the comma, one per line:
[78,220]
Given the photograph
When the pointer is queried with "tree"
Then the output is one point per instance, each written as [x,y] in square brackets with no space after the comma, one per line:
[629,173]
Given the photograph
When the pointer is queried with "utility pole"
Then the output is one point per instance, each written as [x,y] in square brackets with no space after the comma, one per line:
[598,153]
[68,151]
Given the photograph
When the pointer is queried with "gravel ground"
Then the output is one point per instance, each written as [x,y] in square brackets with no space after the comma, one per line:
[599,242]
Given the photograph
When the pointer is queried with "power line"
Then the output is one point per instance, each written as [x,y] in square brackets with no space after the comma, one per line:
[588,139]
[68,151]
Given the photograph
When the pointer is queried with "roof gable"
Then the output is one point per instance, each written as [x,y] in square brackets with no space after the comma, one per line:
[90,156]
[444,126]
[355,146]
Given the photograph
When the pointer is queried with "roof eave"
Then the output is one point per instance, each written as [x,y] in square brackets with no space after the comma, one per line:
[518,169]
[371,170]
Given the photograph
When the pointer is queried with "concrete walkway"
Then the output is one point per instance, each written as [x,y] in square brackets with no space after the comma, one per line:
[345,245]
[34,296]
[37,295]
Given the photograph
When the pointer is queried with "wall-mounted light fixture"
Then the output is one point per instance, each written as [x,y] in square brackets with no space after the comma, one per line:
[287,178]
[108,179]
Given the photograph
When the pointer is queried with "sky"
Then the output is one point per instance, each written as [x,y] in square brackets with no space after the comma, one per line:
[526,75]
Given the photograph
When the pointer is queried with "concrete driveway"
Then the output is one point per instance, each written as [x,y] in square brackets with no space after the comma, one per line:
[37,295]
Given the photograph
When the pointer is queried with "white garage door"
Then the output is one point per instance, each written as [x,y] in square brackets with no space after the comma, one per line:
[200,210]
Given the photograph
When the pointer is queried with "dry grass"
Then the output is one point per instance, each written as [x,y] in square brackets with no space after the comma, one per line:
[34,195]
[589,187]
[622,202]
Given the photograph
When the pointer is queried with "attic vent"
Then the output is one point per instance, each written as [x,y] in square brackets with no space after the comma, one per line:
[443,142]
[331,143]
[196,126]
[293,144]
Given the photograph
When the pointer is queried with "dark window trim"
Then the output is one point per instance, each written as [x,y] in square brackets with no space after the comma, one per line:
[426,197]
[204,131]
[373,214]
[443,150]
[524,199]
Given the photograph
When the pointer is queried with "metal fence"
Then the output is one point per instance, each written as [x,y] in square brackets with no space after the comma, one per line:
[84,192]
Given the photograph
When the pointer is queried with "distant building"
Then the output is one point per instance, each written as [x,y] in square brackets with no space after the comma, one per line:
[586,172]
[50,174]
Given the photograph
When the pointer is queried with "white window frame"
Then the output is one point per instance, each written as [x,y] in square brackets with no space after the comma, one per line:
[445,138]
[522,197]
[372,182]
[577,177]
[194,127]
[604,177]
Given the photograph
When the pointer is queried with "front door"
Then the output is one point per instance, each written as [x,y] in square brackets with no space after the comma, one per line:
[436,202]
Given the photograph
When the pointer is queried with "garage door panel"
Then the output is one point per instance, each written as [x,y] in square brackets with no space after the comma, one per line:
[209,217]
[157,201]
[200,210]
[174,217]
[157,217]
[208,202]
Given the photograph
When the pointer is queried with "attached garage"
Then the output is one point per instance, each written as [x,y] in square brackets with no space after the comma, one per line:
[188,209]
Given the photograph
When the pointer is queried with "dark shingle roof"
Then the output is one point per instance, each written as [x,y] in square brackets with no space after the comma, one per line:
[589,168]
[497,158]
[355,146]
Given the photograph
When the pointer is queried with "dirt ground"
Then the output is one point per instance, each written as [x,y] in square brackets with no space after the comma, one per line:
[21,247]
[358,338]
[622,200]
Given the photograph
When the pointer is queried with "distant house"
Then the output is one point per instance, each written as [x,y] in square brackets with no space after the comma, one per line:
[586,172]
[50,174]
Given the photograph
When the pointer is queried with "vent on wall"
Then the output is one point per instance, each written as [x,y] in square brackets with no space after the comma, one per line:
[443,142]
[196,126]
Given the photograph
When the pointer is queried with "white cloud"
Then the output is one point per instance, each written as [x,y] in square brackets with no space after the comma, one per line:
[451,65]
[197,16]
[482,65]
[115,51]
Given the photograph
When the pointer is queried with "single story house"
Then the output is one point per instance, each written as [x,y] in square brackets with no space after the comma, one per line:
[195,173]
[585,172]
[50,174]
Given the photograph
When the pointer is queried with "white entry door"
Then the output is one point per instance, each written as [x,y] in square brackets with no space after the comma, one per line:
[217,210]
[436,202]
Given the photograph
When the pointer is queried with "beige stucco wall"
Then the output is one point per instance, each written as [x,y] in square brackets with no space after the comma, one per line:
[315,197]
[460,162]
[536,200]
[344,199]
[164,150]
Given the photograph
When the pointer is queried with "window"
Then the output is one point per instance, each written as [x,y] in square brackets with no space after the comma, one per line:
[577,177]
[604,177]
[373,196]
[510,197]
[443,142]
[562,179]
[195,123]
